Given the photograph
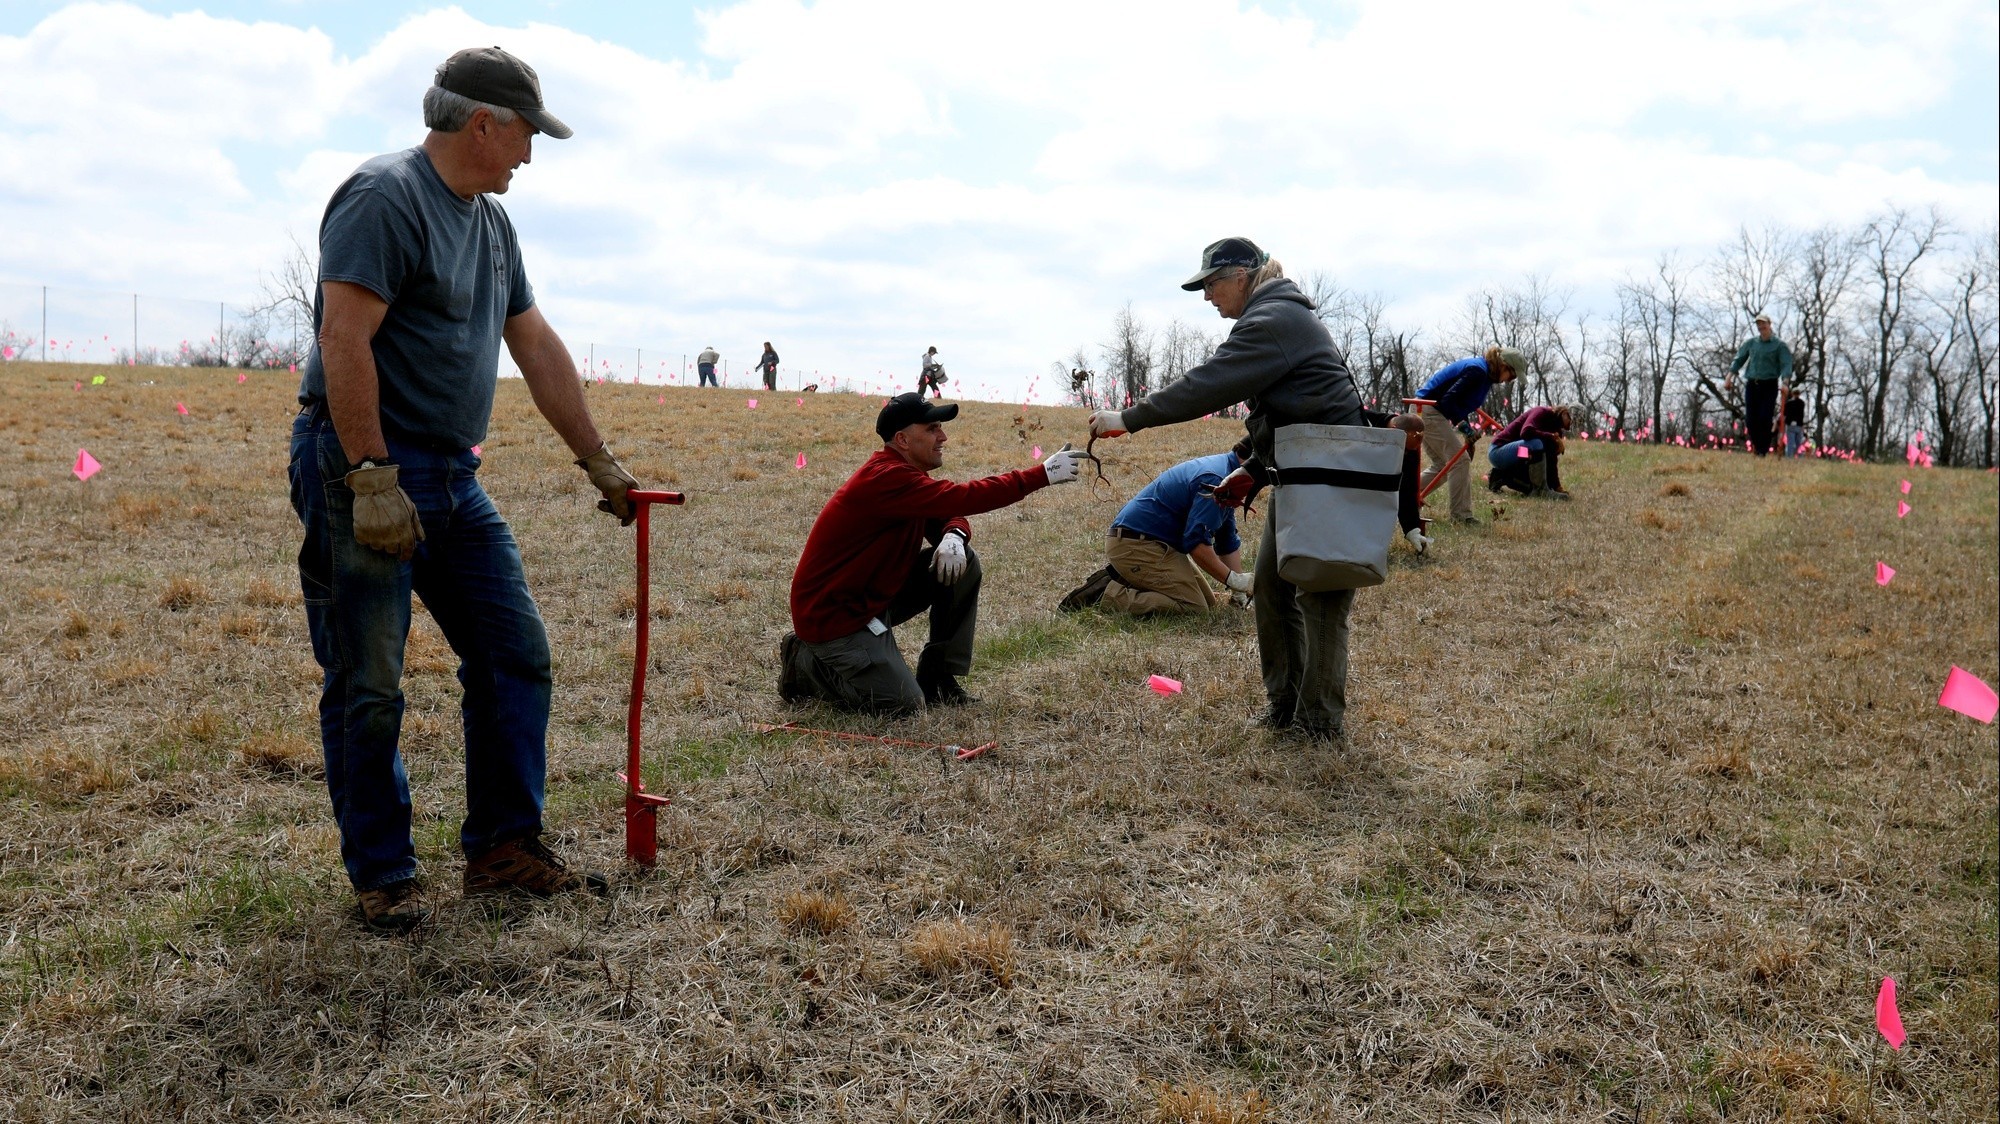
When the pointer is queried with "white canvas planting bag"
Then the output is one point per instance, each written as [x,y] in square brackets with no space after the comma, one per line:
[1335,504]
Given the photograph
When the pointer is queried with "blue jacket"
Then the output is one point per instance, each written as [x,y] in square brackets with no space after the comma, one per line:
[1173,510]
[1459,389]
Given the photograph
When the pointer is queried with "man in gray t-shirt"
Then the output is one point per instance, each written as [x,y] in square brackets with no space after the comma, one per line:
[420,282]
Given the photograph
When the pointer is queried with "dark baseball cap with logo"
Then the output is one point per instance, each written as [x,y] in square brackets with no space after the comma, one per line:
[910,409]
[1222,255]
[495,77]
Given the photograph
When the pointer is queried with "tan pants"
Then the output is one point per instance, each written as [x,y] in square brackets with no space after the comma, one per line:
[1441,440]
[1165,580]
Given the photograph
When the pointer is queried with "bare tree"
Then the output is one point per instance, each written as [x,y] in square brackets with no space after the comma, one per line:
[1657,309]
[1817,289]
[286,312]
[1128,359]
[1976,300]
[1893,245]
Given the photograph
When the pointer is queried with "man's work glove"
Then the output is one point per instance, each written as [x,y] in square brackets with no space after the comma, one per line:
[1108,423]
[1418,539]
[384,517]
[1234,489]
[1062,465]
[948,561]
[1241,582]
[610,478]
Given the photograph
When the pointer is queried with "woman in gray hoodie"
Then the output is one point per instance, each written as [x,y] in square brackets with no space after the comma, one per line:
[1280,361]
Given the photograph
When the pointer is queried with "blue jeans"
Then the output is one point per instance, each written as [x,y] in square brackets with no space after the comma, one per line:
[1795,435]
[468,571]
[706,373]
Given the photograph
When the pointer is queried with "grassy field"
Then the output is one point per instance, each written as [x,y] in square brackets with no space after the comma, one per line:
[1645,795]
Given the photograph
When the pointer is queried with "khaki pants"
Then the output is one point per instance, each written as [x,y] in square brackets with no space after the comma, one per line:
[1301,643]
[1163,579]
[1441,440]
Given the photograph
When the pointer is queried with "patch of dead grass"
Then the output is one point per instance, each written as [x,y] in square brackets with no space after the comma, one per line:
[954,951]
[815,911]
[184,592]
[1199,1104]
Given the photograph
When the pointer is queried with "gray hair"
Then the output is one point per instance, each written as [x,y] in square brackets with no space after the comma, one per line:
[1271,270]
[448,112]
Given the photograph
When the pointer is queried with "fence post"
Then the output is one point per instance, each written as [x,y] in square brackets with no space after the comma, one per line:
[135,329]
[45,323]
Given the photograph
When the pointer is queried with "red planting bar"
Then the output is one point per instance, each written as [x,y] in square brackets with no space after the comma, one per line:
[642,808]
[960,752]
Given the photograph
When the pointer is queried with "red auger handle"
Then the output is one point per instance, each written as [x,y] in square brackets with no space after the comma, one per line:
[639,496]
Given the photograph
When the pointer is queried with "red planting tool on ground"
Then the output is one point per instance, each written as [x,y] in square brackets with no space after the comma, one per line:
[958,752]
[1486,423]
[642,808]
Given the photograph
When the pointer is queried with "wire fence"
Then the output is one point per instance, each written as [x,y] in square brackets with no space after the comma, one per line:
[63,324]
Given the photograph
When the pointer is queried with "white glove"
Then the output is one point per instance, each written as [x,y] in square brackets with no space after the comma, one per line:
[1062,465]
[1108,423]
[948,563]
[1241,582]
[1418,539]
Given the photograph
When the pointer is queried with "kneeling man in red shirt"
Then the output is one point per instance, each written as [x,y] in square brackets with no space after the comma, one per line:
[892,543]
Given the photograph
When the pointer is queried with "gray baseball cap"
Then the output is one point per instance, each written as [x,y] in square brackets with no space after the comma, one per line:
[495,77]
[1221,255]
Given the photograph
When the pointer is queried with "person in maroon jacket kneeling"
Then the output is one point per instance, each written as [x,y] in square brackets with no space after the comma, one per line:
[892,543]
[1526,454]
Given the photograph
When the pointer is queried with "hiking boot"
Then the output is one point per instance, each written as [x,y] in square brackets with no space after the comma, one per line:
[792,686]
[1275,717]
[1089,593]
[395,908]
[1555,494]
[1466,520]
[527,864]
[942,689]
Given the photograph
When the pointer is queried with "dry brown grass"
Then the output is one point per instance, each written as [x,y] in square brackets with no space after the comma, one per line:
[1674,488]
[1632,823]
[184,593]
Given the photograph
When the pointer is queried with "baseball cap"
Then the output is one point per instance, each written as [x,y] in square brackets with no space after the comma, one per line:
[495,77]
[1512,358]
[1762,318]
[910,409]
[1221,255]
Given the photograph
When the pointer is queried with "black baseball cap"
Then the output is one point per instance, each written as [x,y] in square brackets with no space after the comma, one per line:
[495,77]
[1221,255]
[910,409]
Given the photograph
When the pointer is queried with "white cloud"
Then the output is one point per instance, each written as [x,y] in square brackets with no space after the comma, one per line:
[856,180]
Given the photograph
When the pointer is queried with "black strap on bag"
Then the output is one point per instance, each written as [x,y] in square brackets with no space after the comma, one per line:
[1338,478]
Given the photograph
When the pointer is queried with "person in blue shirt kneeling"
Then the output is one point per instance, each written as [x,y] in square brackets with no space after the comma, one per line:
[1171,533]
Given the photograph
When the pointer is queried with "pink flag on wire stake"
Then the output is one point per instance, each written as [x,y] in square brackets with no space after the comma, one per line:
[86,467]
[478,452]
[181,409]
[753,403]
[1902,509]
[1968,694]
[1523,453]
[1906,487]
[801,462]
[1162,685]
[1037,454]
[1888,1020]
[1884,573]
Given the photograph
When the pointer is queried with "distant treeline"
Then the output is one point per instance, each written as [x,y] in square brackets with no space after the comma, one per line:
[1894,328]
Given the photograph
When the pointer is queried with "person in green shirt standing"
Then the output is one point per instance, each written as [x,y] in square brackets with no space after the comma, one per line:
[1766,364]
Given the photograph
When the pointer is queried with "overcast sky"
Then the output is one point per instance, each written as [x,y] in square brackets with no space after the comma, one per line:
[854,180]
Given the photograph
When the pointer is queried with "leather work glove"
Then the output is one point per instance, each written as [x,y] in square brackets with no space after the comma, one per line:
[1418,539]
[948,561]
[610,478]
[1232,490]
[1063,465]
[1241,582]
[384,517]
[1108,423]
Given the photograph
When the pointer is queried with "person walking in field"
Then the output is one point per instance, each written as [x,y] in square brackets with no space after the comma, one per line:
[421,280]
[930,376]
[1456,392]
[1765,363]
[1165,539]
[891,543]
[1795,421]
[1527,451]
[768,363]
[704,366]
[1280,361]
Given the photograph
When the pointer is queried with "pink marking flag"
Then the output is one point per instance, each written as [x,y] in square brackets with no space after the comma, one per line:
[663,400]
[752,403]
[1968,694]
[1162,685]
[477,451]
[86,467]
[802,401]
[1523,453]
[1906,487]
[181,409]
[1038,452]
[7,353]
[801,462]
[1884,573]
[1888,1020]
[1902,509]
[241,379]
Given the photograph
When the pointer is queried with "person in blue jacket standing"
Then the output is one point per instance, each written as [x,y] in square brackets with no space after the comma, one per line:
[1456,393]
